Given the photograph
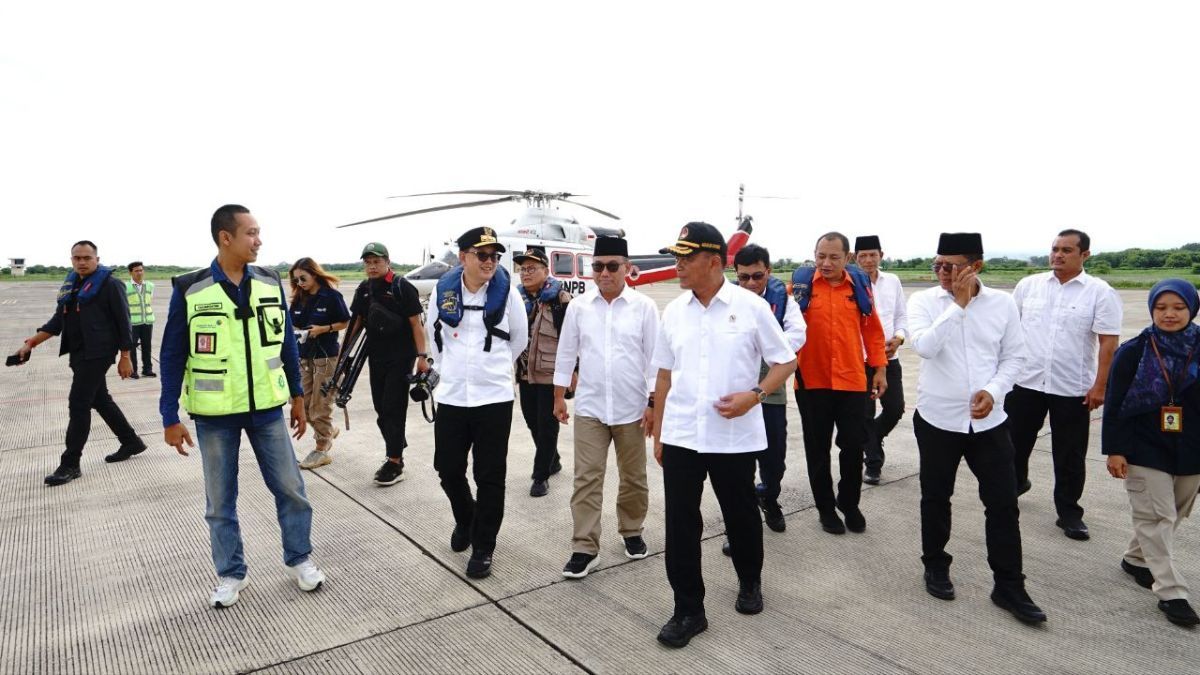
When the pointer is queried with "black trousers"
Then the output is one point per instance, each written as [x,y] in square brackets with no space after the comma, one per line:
[482,432]
[821,410]
[389,394]
[891,410]
[142,335]
[1069,421]
[89,391]
[989,456]
[772,461]
[537,406]
[732,477]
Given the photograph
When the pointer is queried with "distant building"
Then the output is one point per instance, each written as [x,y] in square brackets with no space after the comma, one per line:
[17,265]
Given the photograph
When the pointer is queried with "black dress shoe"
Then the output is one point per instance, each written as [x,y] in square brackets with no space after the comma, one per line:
[1179,612]
[480,565]
[831,523]
[938,584]
[1018,602]
[149,374]
[1142,575]
[133,376]
[871,477]
[749,600]
[460,538]
[125,452]
[1023,487]
[1074,530]
[539,488]
[725,548]
[855,520]
[679,631]
[772,515]
[63,475]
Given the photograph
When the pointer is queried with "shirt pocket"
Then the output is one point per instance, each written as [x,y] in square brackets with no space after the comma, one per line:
[1079,317]
[1032,308]
[271,323]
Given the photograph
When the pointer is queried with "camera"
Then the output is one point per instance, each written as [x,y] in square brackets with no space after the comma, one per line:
[423,385]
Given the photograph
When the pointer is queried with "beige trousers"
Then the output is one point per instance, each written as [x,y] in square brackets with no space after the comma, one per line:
[592,438]
[318,409]
[1159,502]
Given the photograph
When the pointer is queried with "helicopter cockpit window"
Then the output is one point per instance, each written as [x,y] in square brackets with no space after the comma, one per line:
[583,266]
[564,265]
[434,269]
[552,231]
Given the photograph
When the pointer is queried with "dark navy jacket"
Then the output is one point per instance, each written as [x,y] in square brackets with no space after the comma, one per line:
[104,323]
[1140,438]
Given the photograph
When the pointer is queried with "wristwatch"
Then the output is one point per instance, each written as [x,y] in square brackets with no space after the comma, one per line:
[762,395]
[428,359]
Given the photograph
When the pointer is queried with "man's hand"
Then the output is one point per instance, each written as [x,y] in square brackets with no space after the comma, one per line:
[981,404]
[124,366]
[658,451]
[1095,396]
[560,410]
[23,354]
[963,285]
[1118,467]
[736,405]
[176,435]
[423,365]
[648,422]
[878,382]
[299,422]
[891,346]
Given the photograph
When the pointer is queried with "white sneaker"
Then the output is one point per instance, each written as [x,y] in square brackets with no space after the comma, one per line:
[226,592]
[316,458]
[308,577]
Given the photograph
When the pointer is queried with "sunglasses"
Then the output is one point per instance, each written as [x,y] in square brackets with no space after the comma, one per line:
[300,278]
[484,257]
[946,267]
[612,267]
[757,276]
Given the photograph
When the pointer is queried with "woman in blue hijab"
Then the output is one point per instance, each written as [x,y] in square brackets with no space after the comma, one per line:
[1151,435]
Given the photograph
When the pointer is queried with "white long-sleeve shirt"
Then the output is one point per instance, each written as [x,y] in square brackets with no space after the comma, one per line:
[1062,322]
[613,342]
[893,311]
[470,376]
[964,351]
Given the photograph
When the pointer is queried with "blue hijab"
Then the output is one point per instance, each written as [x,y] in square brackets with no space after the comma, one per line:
[1180,352]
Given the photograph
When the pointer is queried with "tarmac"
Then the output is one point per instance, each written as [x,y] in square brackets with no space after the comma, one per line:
[111,573]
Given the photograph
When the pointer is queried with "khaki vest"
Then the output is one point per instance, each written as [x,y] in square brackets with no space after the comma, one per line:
[537,363]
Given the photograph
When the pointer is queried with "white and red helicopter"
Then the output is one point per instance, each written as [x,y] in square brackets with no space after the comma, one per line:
[567,242]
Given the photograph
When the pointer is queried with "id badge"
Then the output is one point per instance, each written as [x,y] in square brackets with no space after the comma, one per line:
[1172,419]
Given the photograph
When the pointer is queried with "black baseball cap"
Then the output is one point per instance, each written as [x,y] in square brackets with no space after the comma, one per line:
[533,254]
[480,236]
[696,237]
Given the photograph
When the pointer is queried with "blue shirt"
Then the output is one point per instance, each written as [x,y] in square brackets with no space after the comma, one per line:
[325,308]
[173,357]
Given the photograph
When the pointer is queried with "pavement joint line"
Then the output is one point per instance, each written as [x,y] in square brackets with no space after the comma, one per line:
[365,638]
[446,566]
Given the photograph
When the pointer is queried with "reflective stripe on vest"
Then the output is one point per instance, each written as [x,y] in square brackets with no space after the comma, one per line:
[234,364]
[140,311]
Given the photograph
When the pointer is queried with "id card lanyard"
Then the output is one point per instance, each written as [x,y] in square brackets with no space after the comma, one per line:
[1170,415]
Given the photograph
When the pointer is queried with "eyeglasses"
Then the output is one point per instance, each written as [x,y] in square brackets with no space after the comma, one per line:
[946,267]
[484,256]
[528,269]
[757,276]
[611,266]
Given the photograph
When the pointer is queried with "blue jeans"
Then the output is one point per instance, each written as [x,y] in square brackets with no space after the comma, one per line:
[273,450]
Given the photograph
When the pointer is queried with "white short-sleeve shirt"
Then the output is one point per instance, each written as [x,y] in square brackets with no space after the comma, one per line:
[711,352]
[1061,324]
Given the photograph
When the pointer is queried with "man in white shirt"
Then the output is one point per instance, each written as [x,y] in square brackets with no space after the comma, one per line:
[610,332]
[710,344]
[753,267]
[1065,312]
[969,339]
[477,327]
[891,306]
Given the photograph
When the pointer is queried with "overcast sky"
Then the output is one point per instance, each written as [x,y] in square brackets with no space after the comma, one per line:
[129,123]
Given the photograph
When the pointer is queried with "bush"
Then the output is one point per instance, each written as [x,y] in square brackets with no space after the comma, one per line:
[1100,267]
[1196,268]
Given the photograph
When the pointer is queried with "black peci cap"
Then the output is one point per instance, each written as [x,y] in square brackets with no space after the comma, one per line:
[960,243]
[612,246]
[869,242]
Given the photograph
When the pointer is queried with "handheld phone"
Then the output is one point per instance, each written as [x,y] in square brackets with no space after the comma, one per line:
[15,360]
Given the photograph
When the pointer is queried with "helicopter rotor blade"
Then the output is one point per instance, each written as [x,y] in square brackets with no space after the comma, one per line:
[494,193]
[600,211]
[431,210]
